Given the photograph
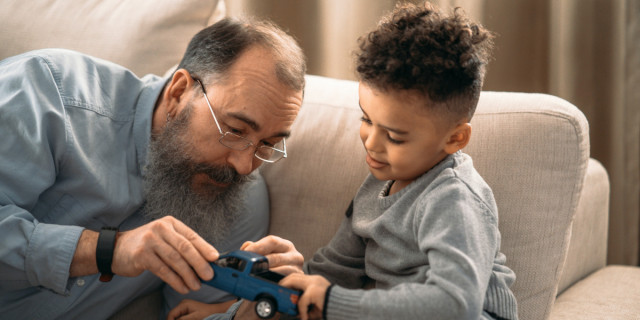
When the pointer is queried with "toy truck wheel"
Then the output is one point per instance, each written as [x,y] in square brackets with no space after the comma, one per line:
[266,307]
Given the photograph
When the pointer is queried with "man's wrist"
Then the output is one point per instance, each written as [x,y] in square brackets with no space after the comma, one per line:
[104,252]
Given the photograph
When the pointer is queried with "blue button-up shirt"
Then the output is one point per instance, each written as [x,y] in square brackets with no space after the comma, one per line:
[74,134]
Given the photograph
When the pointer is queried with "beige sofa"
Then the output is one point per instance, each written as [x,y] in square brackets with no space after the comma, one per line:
[533,150]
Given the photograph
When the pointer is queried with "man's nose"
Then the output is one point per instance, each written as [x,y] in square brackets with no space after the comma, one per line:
[242,160]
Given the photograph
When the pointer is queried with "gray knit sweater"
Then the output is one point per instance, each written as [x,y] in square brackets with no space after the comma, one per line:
[431,251]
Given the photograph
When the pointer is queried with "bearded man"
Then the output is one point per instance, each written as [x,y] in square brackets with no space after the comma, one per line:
[104,173]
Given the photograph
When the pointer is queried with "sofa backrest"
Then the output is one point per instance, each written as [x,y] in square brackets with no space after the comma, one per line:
[532,149]
[146,36]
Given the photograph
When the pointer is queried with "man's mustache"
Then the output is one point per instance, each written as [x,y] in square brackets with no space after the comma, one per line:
[221,174]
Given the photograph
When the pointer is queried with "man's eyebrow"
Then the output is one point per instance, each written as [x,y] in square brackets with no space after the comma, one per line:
[397,131]
[254,125]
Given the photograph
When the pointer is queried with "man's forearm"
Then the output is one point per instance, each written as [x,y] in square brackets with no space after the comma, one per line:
[84,259]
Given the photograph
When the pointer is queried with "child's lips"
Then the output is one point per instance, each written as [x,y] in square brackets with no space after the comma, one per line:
[375,164]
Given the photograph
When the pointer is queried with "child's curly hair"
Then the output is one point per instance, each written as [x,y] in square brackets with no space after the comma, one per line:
[418,48]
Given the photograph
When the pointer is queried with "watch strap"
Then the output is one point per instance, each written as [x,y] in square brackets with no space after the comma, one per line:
[104,252]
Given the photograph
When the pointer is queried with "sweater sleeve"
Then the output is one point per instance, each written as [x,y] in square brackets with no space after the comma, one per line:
[458,233]
[342,260]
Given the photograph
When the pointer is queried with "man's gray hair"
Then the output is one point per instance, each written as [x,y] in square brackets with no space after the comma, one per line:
[213,50]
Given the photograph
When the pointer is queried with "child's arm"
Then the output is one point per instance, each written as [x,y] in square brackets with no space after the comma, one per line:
[459,240]
[342,260]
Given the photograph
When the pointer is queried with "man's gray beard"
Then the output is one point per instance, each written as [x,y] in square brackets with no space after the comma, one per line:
[169,190]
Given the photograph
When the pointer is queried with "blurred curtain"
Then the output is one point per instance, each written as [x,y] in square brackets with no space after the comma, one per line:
[585,51]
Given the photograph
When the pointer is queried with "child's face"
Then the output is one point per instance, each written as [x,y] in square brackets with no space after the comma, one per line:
[402,140]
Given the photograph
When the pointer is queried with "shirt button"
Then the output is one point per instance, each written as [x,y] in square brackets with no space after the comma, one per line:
[80,282]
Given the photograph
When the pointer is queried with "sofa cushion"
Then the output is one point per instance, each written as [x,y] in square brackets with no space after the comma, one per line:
[532,149]
[310,190]
[147,36]
[610,293]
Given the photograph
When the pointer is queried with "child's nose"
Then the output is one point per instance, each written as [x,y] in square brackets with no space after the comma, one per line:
[372,140]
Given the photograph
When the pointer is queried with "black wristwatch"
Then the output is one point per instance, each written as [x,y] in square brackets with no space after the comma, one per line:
[104,252]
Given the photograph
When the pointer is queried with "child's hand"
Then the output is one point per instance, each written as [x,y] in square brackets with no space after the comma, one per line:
[192,310]
[311,303]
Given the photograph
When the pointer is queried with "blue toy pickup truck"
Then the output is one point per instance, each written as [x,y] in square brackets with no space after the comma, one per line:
[246,275]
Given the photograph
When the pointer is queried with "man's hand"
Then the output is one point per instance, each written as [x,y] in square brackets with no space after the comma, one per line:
[282,254]
[311,303]
[167,248]
[195,310]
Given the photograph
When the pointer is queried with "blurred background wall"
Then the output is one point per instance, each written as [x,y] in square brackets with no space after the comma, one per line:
[585,51]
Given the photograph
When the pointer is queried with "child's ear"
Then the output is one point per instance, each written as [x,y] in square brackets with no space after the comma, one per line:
[458,138]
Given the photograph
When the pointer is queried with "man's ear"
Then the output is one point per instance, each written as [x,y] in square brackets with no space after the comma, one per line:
[174,93]
[458,138]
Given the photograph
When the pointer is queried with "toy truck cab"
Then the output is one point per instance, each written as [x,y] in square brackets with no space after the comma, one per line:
[247,275]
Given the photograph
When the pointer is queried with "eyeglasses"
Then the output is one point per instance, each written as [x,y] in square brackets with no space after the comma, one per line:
[233,141]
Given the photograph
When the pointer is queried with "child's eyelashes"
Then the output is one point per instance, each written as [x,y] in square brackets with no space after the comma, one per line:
[394,141]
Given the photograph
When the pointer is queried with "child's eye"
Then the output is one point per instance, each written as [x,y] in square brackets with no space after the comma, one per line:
[394,141]
[367,121]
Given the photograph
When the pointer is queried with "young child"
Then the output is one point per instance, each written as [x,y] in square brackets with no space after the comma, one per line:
[422,231]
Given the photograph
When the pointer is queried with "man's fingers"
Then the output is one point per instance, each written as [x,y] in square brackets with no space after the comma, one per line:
[204,248]
[269,244]
[185,255]
[181,309]
[179,263]
[289,259]
[164,272]
[246,244]
[287,270]
[185,259]
[279,252]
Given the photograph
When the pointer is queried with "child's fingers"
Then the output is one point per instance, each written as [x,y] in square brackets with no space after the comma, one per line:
[295,281]
[314,287]
[303,306]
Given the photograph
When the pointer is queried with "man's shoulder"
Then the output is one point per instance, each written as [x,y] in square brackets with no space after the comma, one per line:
[53,57]
[64,63]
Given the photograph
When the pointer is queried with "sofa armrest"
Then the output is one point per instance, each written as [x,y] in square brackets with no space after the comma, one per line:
[612,292]
[588,245]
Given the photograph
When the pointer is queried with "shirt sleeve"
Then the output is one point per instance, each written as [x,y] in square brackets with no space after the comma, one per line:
[32,127]
[458,233]
[342,260]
